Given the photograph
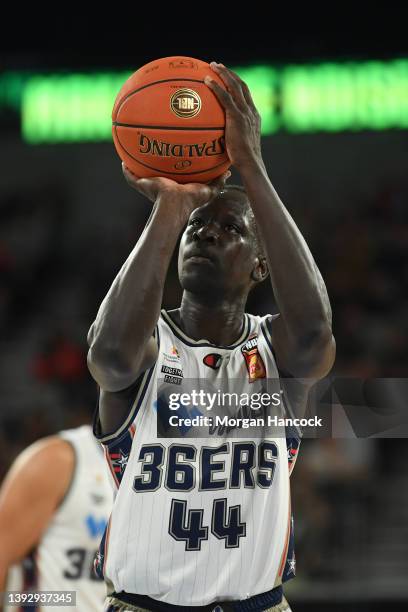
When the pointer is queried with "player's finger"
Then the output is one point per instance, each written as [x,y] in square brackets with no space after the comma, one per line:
[245,89]
[232,81]
[224,97]
[248,96]
[129,176]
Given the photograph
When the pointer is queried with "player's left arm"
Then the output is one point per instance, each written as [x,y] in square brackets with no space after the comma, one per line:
[302,335]
[29,496]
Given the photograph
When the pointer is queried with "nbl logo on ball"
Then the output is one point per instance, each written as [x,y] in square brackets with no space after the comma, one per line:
[185,103]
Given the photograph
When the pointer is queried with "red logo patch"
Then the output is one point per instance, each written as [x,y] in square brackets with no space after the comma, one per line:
[213,360]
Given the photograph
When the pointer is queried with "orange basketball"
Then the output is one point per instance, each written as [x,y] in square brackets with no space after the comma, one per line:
[167,122]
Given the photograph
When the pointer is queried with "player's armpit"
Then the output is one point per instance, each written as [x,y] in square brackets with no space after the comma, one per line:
[29,496]
[114,408]
[309,357]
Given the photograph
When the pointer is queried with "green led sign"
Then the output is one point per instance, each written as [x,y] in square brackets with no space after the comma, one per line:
[328,97]
[69,108]
[335,97]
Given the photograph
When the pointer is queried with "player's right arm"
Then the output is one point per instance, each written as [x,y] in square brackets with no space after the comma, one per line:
[121,343]
[31,493]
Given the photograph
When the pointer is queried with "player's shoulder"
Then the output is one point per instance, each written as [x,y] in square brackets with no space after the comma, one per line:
[52,455]
[44,469]
[261,324]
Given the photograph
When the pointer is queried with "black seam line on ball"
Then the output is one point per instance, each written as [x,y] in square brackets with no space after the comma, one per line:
[168,171]
[165,127]
[158,83]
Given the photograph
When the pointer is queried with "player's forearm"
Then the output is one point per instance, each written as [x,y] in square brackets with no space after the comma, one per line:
[128,314]
[299,289]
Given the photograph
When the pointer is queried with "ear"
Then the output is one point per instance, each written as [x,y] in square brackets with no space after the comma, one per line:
[260,271]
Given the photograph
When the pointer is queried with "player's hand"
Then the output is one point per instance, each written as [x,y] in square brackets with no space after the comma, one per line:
[242,120]
[189,195]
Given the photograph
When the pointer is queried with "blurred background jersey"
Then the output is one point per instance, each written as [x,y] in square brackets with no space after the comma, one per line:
[63,559]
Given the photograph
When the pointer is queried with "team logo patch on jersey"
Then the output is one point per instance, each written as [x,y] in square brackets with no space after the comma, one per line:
[213,360]
[254,363]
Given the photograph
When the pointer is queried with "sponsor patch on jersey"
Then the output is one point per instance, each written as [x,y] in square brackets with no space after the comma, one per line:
[213,360]
[254,363]
[173,376]
[172,371]
[173,355]
[172,380]
[96,498]
[95,526]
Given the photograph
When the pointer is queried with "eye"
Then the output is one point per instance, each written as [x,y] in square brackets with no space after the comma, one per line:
[230,227]
[195,222]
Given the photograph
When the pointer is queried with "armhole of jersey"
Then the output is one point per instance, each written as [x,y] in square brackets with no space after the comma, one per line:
[139,387]
[294,434]
[266,330]
[70,486]
[266,327]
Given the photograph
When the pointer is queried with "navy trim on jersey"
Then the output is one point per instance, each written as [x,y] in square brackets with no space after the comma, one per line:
[244,334]
[256,602]
[290,563]
[140,394]
[293,434]
[99,560]
[30,579]
[122,430]
[268,338]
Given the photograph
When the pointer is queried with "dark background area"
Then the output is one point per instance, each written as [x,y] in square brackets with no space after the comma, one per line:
[72,38]
[68,221]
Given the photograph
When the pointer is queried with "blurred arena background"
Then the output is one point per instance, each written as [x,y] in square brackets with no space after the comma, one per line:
[335,108]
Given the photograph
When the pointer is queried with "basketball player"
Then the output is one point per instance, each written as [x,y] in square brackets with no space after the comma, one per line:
[205,524]
[54,505]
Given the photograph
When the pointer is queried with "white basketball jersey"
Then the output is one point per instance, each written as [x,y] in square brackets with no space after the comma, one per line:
[198,520]
[63,559]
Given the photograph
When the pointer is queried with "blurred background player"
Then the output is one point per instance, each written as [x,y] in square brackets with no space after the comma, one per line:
[54,505]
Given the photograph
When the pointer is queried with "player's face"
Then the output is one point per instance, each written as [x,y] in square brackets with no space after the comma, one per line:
[217,252]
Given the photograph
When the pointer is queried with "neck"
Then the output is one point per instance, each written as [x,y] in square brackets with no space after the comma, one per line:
[219,322]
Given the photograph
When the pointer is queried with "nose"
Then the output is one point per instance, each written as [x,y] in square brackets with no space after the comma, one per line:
[207,232]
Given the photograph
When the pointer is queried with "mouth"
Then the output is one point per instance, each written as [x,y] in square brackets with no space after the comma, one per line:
[196,255]
[198,259]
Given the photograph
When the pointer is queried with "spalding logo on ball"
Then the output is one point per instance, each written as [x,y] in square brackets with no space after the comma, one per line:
[167,122]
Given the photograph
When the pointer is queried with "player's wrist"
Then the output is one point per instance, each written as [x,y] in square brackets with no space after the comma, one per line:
[250,164]
[174,209]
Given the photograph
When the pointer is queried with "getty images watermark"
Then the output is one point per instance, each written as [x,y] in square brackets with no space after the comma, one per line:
[194,408]
[241,402]
[333,407]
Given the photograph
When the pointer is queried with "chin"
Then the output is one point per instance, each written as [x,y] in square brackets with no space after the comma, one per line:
[200,283]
